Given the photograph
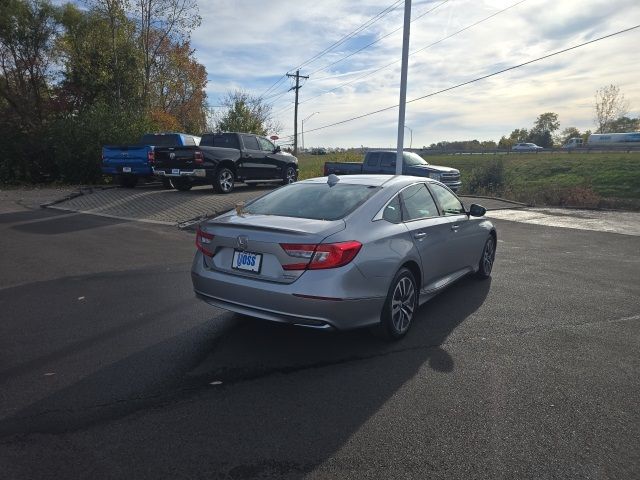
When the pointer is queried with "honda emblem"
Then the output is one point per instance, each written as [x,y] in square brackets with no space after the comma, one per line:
[242,242]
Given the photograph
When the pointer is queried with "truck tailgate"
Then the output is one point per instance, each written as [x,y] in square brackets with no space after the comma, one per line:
[125,155]
[175,157]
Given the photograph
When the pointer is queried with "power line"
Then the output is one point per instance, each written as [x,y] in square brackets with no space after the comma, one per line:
[378,40]
[368,74]
[368,23]
[480,78]
[272,86]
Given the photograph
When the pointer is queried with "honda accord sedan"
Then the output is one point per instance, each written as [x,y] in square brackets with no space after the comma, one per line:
[342,252]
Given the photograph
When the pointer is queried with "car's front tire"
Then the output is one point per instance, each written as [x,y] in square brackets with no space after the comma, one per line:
[224,180]
[488,257]
[399,308]
[289,176]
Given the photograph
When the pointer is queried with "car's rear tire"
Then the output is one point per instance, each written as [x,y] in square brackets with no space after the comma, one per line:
[400,306]
[290,175]
[166,183]
[128,181]
[224,180]
[487,258]
[182,184]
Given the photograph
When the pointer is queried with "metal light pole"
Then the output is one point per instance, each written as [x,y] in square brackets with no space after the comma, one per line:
[303,127]
[403,84]
[411,138]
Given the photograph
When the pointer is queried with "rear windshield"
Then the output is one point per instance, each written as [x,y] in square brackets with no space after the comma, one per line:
[227,140]
[317,201]
[172,140]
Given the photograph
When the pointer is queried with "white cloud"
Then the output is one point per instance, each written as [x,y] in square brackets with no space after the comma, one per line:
[248,44]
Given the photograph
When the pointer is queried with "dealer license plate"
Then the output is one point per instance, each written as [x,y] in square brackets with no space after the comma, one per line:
[126,169]
[175,171]
[248,261]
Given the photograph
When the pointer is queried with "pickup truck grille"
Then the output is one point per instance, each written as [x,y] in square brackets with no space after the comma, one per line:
[450,177]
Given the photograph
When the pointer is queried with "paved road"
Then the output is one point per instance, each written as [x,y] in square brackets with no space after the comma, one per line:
[110,369]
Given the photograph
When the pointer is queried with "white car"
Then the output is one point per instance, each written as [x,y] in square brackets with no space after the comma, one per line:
[526,147]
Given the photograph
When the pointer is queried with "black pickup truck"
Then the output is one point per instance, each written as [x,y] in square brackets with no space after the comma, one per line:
[384,161]
[224,158]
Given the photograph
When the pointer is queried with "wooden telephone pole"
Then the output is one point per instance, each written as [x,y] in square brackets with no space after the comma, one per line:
[297,76]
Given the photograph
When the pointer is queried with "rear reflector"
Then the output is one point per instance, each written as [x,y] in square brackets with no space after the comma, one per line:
[321,256]
[203,240]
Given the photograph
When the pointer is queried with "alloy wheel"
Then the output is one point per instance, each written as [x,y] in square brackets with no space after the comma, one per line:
[488,256]
[403,304]
[225,179]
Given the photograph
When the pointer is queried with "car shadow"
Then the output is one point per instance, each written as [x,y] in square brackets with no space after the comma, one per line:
[264,401]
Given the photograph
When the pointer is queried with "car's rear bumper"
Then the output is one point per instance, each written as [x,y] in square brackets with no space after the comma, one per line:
[143,171]
[287,303]
[176,172]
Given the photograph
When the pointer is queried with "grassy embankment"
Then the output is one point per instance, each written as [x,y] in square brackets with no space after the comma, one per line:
[608,180]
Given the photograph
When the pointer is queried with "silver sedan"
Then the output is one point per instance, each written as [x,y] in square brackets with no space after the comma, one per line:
[342,252]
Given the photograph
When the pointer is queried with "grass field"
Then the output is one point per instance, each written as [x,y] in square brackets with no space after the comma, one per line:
[589,179]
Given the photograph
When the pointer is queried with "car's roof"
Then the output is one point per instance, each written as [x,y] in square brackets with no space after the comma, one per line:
[372,180]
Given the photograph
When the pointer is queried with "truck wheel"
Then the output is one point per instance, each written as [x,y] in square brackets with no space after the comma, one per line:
[166,183]
[182,184]
[223,182]
[290,175]
[128,181]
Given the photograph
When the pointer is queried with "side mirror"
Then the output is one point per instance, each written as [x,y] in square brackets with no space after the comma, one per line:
[277,149]
[476,210]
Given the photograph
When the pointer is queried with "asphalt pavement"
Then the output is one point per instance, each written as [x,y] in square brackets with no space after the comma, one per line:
[110,368]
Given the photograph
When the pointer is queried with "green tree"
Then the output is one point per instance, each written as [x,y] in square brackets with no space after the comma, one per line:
[245,113]
[92,73]
[28,30]
[624,124]
[569,133]
[519,135]
[542,132]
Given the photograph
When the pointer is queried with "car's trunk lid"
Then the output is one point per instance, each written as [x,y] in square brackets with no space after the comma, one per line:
[263,235]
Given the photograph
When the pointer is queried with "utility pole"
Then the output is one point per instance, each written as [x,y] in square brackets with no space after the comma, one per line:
[295,115]
[403,85]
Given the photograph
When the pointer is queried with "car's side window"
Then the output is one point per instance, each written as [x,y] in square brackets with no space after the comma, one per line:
[392,211]
[447,200]
[266,145]
[250,142]
[417,203]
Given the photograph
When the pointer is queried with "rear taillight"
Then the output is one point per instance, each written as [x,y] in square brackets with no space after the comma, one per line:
[321,256]
[198,158]
[151,156]
[203,242]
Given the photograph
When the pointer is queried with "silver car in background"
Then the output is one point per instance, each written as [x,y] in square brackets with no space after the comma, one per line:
[342,252]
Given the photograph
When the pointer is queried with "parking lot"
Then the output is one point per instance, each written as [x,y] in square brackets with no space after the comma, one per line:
[110,368]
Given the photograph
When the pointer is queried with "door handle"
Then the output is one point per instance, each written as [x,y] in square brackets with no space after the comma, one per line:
[455,227]
[419,235]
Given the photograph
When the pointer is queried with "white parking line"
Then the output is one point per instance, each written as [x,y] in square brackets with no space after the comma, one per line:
[625,223]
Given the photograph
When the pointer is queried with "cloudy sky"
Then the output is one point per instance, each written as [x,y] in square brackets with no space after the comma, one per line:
[250,45]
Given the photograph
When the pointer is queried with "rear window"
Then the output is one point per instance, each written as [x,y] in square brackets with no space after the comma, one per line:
[317,201]
[171,140]
[226,140]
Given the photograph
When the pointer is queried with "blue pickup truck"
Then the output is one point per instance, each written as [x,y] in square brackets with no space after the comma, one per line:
[129,163]
[384,161]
